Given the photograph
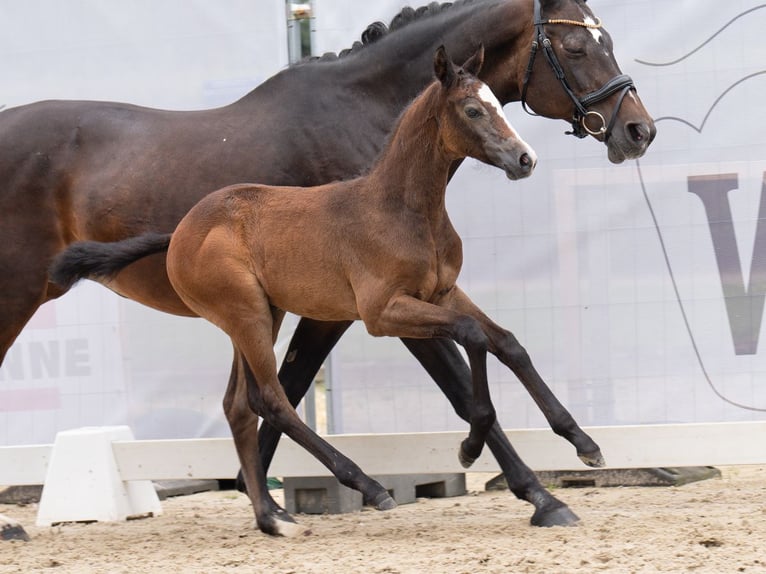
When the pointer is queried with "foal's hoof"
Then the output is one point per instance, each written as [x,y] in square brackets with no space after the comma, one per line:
[387,504]
[465,459]
[383,502]
[559,516]
[594,459]
[282,525]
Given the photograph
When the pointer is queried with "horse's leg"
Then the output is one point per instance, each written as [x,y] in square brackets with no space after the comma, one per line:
[245,314]
[23,288]
[309,346]
[237,377]
[446,366]
[266,396]
[269,516]
[510,352]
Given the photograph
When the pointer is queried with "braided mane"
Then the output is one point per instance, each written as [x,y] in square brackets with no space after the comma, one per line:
[378,30]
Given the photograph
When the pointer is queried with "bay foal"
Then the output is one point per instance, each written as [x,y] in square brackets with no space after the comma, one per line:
[379,248]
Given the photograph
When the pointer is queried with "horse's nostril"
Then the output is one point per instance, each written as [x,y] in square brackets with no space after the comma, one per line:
[525,160]
[638,132]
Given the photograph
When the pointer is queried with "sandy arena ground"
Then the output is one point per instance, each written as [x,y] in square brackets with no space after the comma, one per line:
[714,526]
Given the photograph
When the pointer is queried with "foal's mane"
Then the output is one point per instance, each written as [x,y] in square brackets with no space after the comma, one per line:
[378,30]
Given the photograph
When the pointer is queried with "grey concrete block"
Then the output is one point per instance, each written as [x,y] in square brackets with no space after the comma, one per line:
[168,488]
[325,495]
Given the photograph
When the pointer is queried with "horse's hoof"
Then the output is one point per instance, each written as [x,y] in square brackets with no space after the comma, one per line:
[559,516]
[594,459]
[13,531]
[239,483]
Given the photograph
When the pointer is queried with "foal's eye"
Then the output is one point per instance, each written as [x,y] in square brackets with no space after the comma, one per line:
[473,113]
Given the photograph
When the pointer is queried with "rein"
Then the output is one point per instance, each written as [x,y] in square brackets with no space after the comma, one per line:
[621,83]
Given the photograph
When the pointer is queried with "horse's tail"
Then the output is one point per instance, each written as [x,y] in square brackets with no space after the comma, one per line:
[96,260]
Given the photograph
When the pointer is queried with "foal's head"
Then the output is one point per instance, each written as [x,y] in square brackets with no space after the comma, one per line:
[472,122]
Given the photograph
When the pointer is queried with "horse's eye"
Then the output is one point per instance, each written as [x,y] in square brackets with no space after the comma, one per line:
[574,52]
[573,47]
[473,112]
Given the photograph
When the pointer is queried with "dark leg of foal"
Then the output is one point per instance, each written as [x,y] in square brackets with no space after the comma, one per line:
[467,332]
[446,366]
[509,351]
[269,516]
[272,405]
[309,347]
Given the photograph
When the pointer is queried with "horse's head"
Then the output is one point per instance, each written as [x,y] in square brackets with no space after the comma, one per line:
[571,73]
[472,122]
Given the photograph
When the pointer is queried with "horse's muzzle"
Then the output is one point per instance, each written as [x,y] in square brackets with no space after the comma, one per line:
[631,141]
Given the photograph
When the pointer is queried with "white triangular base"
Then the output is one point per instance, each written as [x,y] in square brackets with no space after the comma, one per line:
[83,482]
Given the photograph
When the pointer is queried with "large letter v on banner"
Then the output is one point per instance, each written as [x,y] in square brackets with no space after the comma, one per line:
[744,307]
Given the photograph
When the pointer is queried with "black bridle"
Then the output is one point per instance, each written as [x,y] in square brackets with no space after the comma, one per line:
[621,83]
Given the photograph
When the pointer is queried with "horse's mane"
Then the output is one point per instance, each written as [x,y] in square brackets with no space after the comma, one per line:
[378,30]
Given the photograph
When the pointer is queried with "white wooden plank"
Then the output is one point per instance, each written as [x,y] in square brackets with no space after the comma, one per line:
[624,447]
[24,464]
[643,446]
[176,459]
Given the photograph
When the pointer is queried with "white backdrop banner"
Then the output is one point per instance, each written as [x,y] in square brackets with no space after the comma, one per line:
[637,289]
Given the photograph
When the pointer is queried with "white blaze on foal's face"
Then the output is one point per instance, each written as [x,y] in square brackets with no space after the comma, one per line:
[488,97]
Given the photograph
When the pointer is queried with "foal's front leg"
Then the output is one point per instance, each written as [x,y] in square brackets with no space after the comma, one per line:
[509,351]
[407,317]
[446,365]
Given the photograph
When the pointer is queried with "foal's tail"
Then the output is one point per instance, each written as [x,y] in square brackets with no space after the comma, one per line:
[96,260]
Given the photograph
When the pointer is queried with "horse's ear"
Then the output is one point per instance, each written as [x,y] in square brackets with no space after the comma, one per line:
[473,64]
[443,67]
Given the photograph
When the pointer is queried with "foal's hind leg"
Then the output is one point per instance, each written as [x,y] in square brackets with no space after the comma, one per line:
[309,347]
[245,314]
[266,396]
[269,516]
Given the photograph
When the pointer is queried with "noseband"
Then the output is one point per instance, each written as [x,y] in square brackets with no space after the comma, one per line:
[621,83]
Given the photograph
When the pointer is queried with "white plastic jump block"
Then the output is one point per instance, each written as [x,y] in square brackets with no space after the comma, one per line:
[83,482]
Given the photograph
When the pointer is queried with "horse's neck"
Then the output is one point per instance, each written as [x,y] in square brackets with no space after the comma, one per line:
[413,169]
[398,66]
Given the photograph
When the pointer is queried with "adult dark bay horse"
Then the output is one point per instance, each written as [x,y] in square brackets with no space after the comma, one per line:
[382,250]
[106,171]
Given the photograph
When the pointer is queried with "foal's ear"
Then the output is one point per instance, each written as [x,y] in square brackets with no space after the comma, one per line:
[473,64]
[443,67]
